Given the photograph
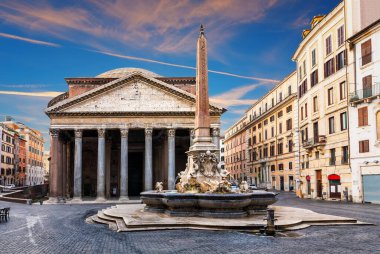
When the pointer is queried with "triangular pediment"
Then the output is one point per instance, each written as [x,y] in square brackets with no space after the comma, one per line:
[134,94]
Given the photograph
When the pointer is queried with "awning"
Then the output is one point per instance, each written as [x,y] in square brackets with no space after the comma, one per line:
[334,177]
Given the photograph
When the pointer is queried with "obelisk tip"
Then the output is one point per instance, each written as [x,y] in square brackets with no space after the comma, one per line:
[202,30]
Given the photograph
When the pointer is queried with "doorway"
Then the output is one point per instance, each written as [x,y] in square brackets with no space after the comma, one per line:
[319,183]
[135,173]
[282,183]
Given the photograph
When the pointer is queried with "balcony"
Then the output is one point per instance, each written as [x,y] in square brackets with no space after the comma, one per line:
[263,160]
[362,94]
[314,142]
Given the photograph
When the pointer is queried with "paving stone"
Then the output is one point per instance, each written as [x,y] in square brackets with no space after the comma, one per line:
[63,229]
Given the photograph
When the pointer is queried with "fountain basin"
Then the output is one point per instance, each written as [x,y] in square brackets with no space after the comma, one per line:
[230,205]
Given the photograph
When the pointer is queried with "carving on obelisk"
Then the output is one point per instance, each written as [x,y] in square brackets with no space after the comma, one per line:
[202,173]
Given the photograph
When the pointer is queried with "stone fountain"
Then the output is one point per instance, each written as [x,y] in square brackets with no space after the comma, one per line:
[203,189]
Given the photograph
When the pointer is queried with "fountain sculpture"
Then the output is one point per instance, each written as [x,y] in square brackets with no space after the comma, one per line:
[203,189]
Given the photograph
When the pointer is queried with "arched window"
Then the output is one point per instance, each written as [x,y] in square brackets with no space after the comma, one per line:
[378,124]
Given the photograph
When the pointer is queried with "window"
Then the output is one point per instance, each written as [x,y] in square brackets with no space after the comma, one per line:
[290,146]
[279,148]
[303,88]
[332,157]
[304,68]
[329,67]
[290,165]
[281,167]
[345,155]
[265,134]
[366,52]
[289,90]
[331,125]
[272,102]
[313,58]
[265,121]
[340,60]
[271,118]
[279,114]
[367,86]
[314,78]
[272,168]
[330,95]
[340,35]
[305,110]
[364,146]
[317,154]
[328,45]
[363,116]
[272,149]
[301,113]
[343,121]
[315,104]
[272,131]
[288,108]
[342,90]
[280,96]
[289,124]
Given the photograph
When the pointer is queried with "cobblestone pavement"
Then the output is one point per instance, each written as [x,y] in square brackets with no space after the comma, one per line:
[62,229]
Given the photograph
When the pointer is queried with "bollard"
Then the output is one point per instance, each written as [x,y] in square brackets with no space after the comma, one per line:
[29,202]
[270,229]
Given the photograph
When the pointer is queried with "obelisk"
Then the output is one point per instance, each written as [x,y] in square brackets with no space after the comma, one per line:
[202,140]
[202,157]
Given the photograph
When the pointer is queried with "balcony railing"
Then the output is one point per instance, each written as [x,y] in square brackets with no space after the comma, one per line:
[365,93]
[315,141]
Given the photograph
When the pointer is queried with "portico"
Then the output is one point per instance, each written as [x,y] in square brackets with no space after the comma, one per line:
[117,141]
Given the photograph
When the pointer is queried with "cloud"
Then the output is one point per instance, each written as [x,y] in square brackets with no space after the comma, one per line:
[183,66]
[32,94]
[25,86]
[302,21]
[15,37]
[164,25]
[234,96]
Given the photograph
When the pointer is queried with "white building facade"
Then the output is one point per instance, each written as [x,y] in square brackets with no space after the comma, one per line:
[365,114]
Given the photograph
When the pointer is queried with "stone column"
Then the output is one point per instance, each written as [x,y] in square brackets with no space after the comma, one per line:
[53,174]
[101,165]
[60,171]
[148,173]
[124,165]
[78,166]
[64,168]
[192,136]
[216,137]
[171,159]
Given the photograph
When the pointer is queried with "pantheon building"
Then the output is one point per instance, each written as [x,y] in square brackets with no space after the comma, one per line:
[116,134]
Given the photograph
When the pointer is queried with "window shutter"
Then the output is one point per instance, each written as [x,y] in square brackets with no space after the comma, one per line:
[345,57]
[365,116]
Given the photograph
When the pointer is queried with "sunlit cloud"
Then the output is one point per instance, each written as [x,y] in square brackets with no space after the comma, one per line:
[15,37]
[234,97]
[32,94]
[164,25]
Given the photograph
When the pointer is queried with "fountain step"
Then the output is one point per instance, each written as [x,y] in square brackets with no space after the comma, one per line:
[119,222]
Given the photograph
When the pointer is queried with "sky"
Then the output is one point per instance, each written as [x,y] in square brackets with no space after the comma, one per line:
[250,46]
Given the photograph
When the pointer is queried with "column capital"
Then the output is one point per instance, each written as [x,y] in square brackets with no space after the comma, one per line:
[215,132]
[54,132]
[78,133]
[101,133]
[148,132]
[124,132]
[171,132]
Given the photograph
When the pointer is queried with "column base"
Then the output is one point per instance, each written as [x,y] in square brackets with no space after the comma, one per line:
[76,200]
[55,200]
[100,200]
[124,198]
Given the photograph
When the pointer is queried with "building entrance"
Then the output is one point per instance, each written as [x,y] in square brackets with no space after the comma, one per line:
[135,173]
